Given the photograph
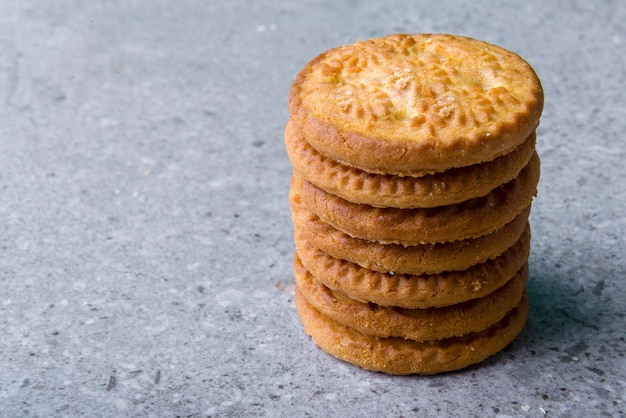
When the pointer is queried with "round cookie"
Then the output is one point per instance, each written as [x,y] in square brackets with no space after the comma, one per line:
[444,188]
[414,291]
[412,324]
[414,104]
[465,220]
[398,356]
[416,259]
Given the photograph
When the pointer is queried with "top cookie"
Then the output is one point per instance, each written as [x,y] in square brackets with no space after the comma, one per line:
[416,104]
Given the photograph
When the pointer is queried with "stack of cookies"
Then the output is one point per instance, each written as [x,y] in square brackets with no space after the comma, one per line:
[414,172]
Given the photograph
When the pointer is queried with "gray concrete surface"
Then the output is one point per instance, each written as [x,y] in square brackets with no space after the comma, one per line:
[145,236]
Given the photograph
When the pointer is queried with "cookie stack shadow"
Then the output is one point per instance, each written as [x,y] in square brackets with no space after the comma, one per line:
[410,272]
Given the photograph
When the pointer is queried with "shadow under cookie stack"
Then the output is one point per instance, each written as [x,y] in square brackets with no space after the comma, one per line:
[414,173]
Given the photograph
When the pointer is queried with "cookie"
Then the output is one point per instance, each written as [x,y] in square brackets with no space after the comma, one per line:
[415,104]
[414,291]
[413,324]
[417,259]
[465,220]
[395,355]
[439,189]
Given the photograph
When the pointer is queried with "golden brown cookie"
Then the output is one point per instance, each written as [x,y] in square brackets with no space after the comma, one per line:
[465,220]
[414,291]
[439,189]
[418,259]
[398,356]
[413,324]
[407,104]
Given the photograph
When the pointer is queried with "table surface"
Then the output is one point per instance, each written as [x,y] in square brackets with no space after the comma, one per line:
[145,234]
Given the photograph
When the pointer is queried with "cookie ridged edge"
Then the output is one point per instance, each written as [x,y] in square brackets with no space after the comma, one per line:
[414,291]
[415,259]
[465,220]
[412,324]
[405,192]
[398,356]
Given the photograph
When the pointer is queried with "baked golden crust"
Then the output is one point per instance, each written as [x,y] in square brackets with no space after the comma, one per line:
[386,190]
[416,103]
[413,324]
[398,356]
[465,220]
[414,291]
[416,259]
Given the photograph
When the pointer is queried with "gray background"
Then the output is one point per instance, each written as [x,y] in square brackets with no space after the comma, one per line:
[145,234]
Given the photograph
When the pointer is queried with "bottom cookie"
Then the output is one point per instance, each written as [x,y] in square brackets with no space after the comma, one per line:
[398,356]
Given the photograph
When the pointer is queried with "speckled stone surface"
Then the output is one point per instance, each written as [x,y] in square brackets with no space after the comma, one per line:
[145,234]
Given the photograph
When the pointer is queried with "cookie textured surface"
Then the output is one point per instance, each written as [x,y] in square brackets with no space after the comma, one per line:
[416,103]
[469,219]
[415,259]
[413,324]
[394,355]
[414,291]
[386,190]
